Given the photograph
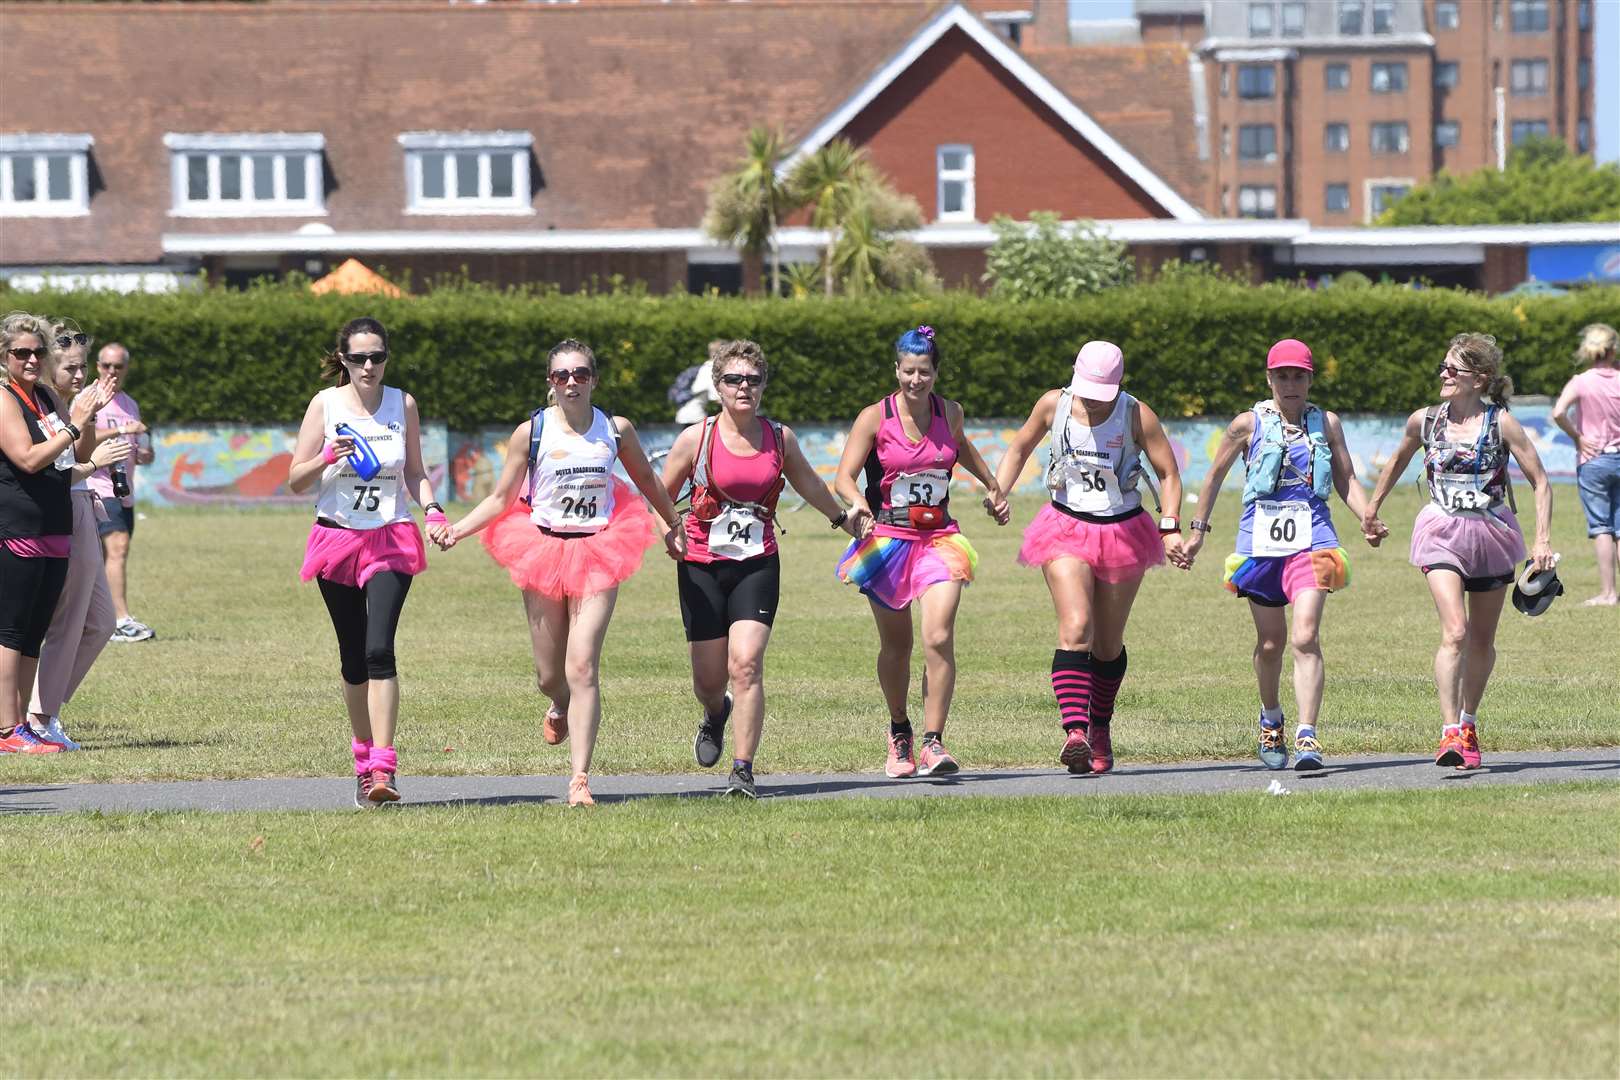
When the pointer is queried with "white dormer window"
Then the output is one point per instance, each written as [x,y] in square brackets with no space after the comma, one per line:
[44,175]
[467,172]
[954,166]
[259,174]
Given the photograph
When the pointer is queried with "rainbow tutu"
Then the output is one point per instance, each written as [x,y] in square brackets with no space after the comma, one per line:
[1276,579]
[895,571]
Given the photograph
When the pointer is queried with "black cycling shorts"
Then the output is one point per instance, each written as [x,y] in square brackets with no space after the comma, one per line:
[715,595]
[1488,583]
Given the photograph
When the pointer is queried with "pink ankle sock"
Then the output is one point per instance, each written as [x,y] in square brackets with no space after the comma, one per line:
[383,757]
[362,755]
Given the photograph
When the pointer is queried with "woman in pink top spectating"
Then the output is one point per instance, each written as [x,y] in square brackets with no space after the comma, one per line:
[729,579]
[1594,398]
[908,445]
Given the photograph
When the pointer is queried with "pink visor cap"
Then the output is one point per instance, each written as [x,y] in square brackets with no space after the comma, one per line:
[1289,352]
[1098,370]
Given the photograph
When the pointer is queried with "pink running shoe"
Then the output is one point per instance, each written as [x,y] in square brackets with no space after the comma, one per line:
[1076,751]
[555,728]
[1470,747]
[935,760]
[1102,748]
[900,764]
[22,740]
[1451,750]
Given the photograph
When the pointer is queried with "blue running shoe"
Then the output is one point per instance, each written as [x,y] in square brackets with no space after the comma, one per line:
[1307,751]
[1273,747]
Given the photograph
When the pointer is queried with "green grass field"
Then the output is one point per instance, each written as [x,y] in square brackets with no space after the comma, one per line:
[242,680]
[1470,932]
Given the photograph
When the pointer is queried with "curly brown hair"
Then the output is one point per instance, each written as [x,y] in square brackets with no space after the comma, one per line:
[739,352]
[1483,355]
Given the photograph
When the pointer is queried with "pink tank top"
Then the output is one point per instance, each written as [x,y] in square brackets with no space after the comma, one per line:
[895,455]
[744,480]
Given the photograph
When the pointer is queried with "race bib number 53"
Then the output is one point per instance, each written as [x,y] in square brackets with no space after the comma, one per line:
[927,488]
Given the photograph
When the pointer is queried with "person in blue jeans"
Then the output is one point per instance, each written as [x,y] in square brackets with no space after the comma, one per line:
[1593,397]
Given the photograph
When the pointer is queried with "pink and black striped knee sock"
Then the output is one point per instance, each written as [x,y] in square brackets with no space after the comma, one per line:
[362,755]
[1072,686]
[1105,679]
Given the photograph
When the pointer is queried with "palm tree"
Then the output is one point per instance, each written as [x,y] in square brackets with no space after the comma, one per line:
[745,206]
[828,181]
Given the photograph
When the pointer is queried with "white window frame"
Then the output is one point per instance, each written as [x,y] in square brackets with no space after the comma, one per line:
[1528,122]
[1382,182]
[965,176]
[36,149]
[1454,69]
[1258,190]
[1270,12]
[1405,141]
[1529,66]
[486,144]
[1583,136]
[1530,12]
[1383,11]
[250,148]
[1327,69]
[1295,8]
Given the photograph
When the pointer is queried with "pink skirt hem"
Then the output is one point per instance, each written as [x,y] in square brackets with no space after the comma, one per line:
[351,556]
[1115,551]
[1476,544]
[580,566]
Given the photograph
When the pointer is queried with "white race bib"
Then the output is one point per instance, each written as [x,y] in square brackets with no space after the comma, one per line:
[366,504]
[1281,528]
[930,487]
[738,533]
[1089,487]
[577,504]
[51,424]
[1461,491]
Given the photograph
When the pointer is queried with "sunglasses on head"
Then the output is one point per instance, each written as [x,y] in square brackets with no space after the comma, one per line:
[735,378]
[67,341]
[23,354]
[561,376]
[1453,370]
[360,359]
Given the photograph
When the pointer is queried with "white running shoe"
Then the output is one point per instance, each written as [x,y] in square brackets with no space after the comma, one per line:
[129,629]
[55,733]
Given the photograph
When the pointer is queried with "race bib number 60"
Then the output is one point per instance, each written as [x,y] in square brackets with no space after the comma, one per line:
[1281,528]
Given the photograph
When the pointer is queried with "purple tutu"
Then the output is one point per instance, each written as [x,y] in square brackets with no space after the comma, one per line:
[1115,551]
[351,556]
[1478,545]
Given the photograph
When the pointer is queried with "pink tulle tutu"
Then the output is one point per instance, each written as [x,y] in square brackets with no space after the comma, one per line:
[1479,545]
[581,566]
[351,556]
[894,570]
[1115,551]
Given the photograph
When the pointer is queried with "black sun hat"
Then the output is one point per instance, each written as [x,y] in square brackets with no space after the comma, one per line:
[1534,591]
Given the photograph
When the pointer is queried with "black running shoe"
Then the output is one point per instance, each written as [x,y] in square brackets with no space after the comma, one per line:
[711,735]
[741,783]
[362,791]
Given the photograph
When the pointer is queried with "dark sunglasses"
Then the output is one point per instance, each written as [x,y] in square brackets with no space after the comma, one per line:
[23,354]
[561,376]
[1453,370]
[67,341]
[360,359]
[737,379]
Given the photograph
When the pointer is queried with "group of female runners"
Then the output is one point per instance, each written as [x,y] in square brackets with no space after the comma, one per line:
[568,532]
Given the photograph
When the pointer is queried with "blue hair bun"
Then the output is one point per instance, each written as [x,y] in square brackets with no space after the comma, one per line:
[918,342]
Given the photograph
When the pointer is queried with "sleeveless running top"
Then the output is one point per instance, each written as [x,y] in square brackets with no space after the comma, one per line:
[33,505]
[739,532]
[573,481]
[348,500]
[1464,477]
[1093,470]
[1292,518]
[901,473]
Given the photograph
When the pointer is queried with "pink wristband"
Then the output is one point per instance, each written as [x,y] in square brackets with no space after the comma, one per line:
[329,454]
[436,517]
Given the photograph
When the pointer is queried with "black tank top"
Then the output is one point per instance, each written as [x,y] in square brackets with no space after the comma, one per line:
[33,505]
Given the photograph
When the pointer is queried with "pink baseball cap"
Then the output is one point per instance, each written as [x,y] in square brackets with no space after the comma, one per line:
[1097,371]
[1289,352]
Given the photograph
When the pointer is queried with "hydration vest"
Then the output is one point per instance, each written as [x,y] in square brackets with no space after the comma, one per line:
[1264,466]
[708,499]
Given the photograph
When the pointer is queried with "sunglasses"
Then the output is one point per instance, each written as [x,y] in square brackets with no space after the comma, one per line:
[67,341]
[361,359]
[561,376]
[23,354]
[736,379]
[1453,370]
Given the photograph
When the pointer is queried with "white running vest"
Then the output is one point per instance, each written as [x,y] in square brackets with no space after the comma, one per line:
[1094,469]
[345,498]
[573,488]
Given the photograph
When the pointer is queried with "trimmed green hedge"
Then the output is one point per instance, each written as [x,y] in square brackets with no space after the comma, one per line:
[472,356]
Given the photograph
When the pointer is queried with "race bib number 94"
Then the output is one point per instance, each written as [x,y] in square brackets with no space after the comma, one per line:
[1281,528]
[928,488]
[738,533]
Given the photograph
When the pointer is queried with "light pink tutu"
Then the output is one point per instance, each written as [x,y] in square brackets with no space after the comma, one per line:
[581,566]
[352,556]
[1115,551]
[1479,545]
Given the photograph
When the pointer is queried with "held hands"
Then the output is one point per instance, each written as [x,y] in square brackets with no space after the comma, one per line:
[1175,551]
[995,504]
[1191,546]
[1372,529]
[439,529]
[859,523]
[675,540]
[111,452]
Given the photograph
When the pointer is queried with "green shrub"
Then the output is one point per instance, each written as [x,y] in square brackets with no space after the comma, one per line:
[1194,344]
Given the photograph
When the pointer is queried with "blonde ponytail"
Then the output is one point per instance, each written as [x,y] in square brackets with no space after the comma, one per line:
[1597,342]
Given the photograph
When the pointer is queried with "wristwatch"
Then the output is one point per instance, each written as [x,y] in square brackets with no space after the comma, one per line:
[1199,526]
[1169,524]
[838,522]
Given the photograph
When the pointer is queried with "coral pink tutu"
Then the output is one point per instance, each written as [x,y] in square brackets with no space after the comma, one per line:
[1115,550]
[352,556]
[580,566]
[1479,545]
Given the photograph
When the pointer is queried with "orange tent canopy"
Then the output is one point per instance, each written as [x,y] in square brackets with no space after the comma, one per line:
[354,276]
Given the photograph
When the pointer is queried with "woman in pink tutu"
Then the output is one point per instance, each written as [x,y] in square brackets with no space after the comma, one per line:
[1094,540]
[1466,539]
[908,445]
[360,442]
[576,533]
[730,578]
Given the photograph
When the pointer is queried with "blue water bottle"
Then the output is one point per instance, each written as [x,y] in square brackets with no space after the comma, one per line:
[364,459]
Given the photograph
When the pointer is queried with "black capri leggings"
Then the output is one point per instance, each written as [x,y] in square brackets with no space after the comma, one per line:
[29,590]
[365,621]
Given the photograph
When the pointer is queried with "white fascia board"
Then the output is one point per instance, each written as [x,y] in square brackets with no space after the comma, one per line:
[1359,43]
[466,140]
[1254,56]
[1021,16]
[1600,232]
[206,141]
[426,240]
[1407,255]
[957,17]
[1136,231]
[45,144]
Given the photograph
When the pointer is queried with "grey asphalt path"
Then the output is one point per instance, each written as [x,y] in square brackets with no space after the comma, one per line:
[1380,772]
